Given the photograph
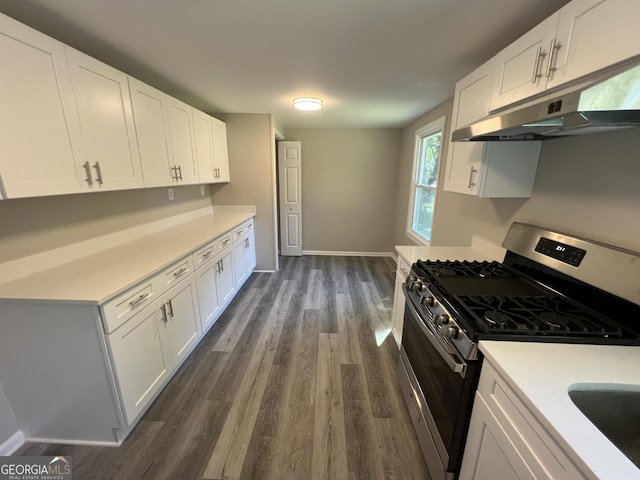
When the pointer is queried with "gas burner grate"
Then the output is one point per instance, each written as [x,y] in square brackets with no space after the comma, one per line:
[536,315]
[457,268]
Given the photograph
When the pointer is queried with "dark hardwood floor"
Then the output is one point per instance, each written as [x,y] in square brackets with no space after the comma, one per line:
[296,380]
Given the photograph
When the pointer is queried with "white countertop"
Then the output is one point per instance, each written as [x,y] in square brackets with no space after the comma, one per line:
[480,249]
[96,278]
[541,373]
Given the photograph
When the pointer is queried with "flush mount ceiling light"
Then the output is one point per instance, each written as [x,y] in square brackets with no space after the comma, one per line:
[307,103]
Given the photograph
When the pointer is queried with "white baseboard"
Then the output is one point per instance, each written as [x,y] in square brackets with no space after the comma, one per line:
[348,254]
[73,442]
[10,446]
[264,271]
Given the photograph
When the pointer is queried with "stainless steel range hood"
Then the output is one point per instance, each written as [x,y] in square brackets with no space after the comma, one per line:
[608,105]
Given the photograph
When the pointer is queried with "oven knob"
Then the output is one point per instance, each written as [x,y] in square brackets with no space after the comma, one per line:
[417,286]
[441,318]
[428,300]
[450,331]
[411,279]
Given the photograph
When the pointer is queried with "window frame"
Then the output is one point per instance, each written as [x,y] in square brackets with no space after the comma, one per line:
[425,131]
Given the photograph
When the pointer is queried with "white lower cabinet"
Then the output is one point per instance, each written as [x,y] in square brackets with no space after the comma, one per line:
[183,319]
[506,441]
[141,358]
[150,345]
[244,253]
[397,319]
[215,285]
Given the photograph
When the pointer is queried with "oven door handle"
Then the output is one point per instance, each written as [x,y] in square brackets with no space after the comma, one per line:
[455,366]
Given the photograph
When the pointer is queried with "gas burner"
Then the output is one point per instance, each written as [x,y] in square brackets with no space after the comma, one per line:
[555,320]
[445,272]
[495,318]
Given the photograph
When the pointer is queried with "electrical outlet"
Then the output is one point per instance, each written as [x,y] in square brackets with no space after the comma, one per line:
[202,190]
[171,194]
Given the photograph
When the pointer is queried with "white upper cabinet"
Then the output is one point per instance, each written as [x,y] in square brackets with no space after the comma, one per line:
[220,149]
[39,127]
[109,151]
[520,68]
[584,37]
[203,147]
[154,144]
[185,168]
[592,35]
[486,169]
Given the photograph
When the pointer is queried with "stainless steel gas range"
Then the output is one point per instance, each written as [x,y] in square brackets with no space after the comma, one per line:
[551,287]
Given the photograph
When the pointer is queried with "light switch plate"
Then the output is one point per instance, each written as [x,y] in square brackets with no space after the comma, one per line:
[171,194]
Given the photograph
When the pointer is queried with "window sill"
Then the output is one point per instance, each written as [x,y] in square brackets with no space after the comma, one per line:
[419,240]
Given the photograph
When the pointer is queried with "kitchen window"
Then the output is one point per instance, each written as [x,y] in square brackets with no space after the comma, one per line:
[424,183]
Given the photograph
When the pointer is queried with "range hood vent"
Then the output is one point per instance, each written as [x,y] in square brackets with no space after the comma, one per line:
[608,105]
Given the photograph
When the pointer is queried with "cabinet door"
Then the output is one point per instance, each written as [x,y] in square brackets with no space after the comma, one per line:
[397,321]
[210,307]
[471,102]
[521,66]
[151,121]
[592,35]
[140,358]
[249,253]
[224,281]
[240,272]
[39,128]
[489,453]
[204,147]
[183,318]
[106,120]
[220,149]
[181,130]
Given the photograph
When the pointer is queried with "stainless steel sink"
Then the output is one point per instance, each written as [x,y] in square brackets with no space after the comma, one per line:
[615,410]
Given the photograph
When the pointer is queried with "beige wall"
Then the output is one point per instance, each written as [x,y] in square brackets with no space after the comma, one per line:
[349,176]
[587,186]
[251,166]
[31,225]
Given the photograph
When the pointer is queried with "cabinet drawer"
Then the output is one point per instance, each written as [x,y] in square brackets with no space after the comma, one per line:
[119,309]
[173,274]
[239,232]
[124,306]
[211,249]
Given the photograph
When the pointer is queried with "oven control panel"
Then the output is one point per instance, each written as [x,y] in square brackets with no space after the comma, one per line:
[565,253]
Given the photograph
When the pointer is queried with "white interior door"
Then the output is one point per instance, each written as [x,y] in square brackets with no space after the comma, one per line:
[290,185]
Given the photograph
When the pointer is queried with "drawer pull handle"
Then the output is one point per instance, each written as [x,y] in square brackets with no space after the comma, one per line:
[180,272]
[207,254]
[226,242]
[239,233]
[139,300]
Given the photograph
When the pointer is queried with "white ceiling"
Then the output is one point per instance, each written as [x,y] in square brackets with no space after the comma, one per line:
[376,63]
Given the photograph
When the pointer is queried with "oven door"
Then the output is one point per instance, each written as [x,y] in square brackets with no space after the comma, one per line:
[440,388]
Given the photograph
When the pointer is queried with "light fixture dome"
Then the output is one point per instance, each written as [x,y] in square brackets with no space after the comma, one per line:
[307,103]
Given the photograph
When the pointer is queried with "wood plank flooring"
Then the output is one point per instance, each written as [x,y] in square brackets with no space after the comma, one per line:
[296,381]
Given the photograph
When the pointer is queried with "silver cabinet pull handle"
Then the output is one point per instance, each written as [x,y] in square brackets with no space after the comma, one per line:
[179,172]
[555,46]
[139,300]
[226,242]
[170,305]
[207,254]
[471,173]
[174,173]
[219,267]
[163,313]
[87,171]
[536,65]
[98,173]
[222,265]
[180,272]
